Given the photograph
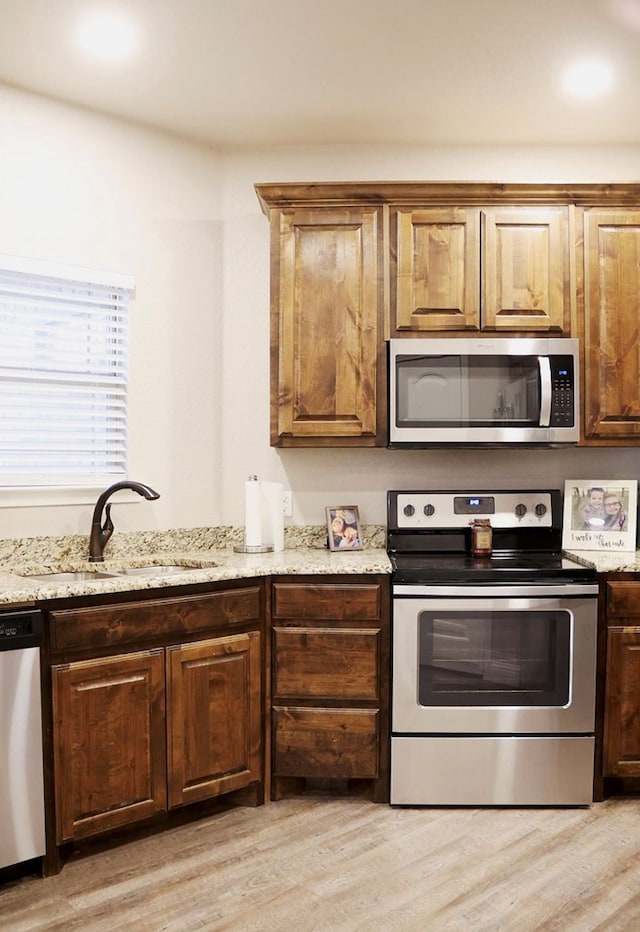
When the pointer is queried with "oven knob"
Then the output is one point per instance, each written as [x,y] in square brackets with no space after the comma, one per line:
[428,510]
[520,510]
[540,510]
[409,511]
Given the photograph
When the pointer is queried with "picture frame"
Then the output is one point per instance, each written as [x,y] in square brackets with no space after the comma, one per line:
[600,514]
[343,528]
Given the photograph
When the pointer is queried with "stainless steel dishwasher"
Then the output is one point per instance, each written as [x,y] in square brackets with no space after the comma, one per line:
[22,836]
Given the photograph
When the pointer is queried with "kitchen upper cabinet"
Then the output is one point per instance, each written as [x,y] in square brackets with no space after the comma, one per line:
[326,338]
[354,264]
[611,324]
[471,269]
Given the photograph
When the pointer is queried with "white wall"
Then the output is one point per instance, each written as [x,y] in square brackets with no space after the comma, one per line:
[184,219]
[83,189]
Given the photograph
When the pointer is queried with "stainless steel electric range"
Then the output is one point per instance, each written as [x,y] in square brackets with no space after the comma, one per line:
[494,657]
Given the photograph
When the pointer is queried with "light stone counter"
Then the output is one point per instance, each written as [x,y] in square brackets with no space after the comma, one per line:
[607,562]
[206,553]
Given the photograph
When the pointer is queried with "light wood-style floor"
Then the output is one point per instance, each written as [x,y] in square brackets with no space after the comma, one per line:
[337,865]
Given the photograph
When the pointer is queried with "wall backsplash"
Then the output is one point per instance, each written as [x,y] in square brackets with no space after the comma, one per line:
[49,551]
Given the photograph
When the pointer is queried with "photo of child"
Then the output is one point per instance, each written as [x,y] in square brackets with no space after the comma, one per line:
[600,515]
[343,528]
[593,512]
[599,508]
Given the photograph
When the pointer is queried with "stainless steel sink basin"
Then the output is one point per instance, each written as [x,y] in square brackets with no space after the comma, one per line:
[81,576]
[167,569]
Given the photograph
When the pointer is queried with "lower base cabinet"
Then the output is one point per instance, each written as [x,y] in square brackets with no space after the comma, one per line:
[138,732]
[621,751]
[330,684]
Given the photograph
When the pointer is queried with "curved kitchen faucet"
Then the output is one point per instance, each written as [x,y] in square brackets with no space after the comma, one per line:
[100,533]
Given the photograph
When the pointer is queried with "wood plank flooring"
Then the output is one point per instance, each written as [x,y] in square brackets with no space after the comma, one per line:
[320,864]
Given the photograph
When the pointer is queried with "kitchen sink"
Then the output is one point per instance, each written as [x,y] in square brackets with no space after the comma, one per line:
[80,576]
[167,569]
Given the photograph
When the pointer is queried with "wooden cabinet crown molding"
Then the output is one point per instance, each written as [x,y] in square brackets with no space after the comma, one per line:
[462,193]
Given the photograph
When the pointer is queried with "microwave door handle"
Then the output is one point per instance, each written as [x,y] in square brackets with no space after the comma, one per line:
[545,390]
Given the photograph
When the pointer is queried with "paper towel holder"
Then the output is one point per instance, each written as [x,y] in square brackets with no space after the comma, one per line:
[242,548]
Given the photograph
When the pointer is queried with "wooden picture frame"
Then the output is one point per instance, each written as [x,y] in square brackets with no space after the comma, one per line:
[343,528]
[600,514]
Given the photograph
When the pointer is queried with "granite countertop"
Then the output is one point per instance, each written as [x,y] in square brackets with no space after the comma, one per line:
[605,562]
[207,555]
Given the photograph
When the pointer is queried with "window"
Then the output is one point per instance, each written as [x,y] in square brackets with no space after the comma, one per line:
[63,375]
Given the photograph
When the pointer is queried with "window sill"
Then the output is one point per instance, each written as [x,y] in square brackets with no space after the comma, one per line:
[50,496]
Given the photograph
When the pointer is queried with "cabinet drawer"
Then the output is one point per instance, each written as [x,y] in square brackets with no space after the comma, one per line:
[328,663]
[623,598]
[332,743]
[323,602]
[129,622]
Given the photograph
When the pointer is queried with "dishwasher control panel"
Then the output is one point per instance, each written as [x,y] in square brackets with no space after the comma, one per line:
[19,629]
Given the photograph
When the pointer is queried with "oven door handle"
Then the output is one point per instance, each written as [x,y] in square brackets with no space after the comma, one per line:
[544,367]
[560,591]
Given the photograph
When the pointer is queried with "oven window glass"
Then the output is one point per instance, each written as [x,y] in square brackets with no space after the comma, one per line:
[467,391]
[486,658]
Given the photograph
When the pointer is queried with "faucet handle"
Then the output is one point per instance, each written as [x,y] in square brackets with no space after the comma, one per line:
[107,528]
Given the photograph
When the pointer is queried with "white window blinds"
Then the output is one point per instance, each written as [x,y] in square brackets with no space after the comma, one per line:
[63,374]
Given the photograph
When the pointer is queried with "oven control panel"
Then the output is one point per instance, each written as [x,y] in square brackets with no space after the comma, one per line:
[448,510]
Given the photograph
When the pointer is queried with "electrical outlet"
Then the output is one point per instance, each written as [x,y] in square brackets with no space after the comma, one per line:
[287,504]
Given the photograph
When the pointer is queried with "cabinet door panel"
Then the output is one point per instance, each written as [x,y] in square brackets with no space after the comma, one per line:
[622,712]
[326,309]
[213,717]
[109,742]
[612,315]
[130,622]
[326,663]
[523,270]
[623,599]
[438,269]
[339,602]
[335,743]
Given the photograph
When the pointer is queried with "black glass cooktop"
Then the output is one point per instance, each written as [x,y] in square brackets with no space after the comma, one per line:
[452,568]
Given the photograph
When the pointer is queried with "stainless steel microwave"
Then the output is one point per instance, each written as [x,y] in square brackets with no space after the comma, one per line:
[483,391]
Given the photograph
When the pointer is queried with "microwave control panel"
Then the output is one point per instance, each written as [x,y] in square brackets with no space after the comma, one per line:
[562,382]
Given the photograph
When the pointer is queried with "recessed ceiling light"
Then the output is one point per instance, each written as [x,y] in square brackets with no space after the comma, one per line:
[587,80]
[106,35]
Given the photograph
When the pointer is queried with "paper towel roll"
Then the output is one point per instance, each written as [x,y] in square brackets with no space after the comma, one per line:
[252,513]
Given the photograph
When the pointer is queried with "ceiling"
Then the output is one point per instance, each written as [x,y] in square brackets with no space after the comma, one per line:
[313,72]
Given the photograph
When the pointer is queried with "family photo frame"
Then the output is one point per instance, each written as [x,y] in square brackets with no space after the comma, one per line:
[600,514]
[343,527]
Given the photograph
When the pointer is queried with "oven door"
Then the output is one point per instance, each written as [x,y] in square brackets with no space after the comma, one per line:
[494,661]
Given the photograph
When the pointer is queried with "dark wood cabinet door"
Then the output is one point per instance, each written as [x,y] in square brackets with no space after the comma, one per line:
[326,663]
[109,742]
[214,715]
[612,324]
[326,340]
[437,281]
[525,269]
[622,707]
[329,743]
[471,269]
[327,601]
